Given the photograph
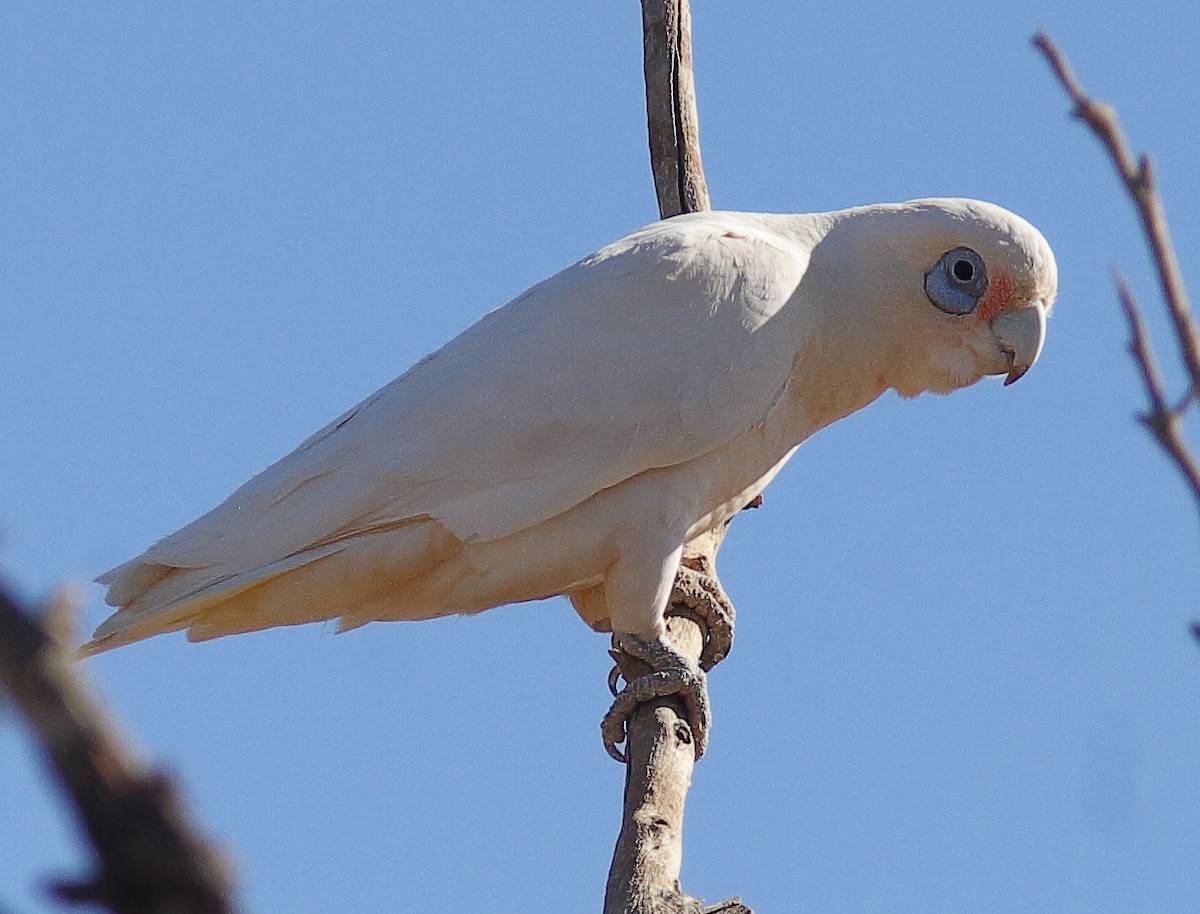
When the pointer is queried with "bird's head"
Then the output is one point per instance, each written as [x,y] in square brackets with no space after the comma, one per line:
[952,290]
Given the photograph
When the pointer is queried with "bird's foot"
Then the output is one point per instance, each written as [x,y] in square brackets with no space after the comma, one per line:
[671,674]
[701,592]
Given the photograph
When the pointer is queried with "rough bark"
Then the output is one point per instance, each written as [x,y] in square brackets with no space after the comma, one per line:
[149,859]
[674,127]
[660,756]
[644,877]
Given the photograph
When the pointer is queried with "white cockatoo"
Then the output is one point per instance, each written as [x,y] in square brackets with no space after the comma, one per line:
[572,441]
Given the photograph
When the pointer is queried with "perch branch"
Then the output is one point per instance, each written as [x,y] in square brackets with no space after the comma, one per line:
[673,125]
[150,860]
[660,756]
[1164,420]
[659,749]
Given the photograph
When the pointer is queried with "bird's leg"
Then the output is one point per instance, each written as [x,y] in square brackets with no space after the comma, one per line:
[670,674]
[696,594]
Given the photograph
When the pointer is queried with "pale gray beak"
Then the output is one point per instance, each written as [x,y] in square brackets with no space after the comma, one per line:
[1020,335]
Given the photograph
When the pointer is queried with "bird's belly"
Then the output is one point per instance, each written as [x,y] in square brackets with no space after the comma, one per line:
[724,481]
[572,553]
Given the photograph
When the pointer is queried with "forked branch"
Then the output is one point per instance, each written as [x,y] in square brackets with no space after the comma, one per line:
[1164,418]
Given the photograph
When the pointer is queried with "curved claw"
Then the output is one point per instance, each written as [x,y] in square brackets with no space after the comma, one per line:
[672,675]
[613,675]
[612,731]
[703,593]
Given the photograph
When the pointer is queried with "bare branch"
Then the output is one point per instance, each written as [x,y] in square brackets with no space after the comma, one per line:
[660,756]
[150,859]
[1139,346]
[1139,180]
[660,753]
[1163,421]
[674,126]
[1137,174]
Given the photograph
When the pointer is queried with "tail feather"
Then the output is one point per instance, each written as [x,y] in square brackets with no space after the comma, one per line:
[176,597]
[126,582]
[325,582]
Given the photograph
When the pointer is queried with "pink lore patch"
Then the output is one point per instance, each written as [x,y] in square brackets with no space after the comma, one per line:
[999,293]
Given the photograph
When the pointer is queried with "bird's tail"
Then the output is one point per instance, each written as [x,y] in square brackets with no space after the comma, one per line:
[358,577]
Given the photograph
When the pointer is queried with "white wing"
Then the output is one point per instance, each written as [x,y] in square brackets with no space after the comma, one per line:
[649,353]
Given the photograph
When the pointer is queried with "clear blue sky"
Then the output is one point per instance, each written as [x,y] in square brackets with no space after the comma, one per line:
[962,679]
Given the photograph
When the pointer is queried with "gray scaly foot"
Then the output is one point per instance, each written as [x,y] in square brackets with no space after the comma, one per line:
[702,593]
[671,674]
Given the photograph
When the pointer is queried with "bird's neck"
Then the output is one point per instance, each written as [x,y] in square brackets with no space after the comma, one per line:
[837,370]
[845,345]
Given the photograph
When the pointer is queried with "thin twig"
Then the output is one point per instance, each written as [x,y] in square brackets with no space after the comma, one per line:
[1163,421]
[151,861]
[1137,174]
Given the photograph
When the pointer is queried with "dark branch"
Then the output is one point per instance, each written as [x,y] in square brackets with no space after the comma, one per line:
[1164,421]
[1137,174]
[674,126]
[150,861]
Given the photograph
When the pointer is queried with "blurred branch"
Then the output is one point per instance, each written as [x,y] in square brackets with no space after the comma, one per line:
[150,859]
[1164,419]
[660,751]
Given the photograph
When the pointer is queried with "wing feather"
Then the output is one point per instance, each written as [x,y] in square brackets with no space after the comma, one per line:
[646,354]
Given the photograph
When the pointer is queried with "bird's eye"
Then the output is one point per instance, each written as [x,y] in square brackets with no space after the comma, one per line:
[957,281]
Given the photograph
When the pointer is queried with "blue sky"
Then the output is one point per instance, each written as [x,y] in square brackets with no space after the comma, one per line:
[962,680]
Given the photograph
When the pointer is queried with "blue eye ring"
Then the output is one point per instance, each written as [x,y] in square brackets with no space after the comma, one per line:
[957,281]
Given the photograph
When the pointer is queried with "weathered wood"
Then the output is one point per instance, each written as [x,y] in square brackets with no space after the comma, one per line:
[674,126]
[660,754]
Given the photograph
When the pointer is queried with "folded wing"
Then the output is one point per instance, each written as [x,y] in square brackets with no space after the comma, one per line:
[649,353]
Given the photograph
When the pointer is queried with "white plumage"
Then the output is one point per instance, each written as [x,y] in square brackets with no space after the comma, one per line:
[573,440]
